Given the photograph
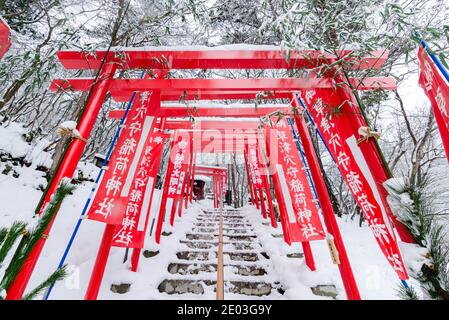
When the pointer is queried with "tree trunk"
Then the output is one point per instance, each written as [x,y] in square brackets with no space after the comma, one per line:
[64,142]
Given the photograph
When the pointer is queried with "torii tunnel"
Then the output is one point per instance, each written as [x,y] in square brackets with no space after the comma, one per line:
[280,159]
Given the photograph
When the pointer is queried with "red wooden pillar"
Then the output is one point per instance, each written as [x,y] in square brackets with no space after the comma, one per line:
[135,257]
[173,211]
[192,183]
[163,205]
[250,188]
[66,169]
[278,193]
[269,200]
[281,207]
[256,197]
[136,251]
[262,204]
[266,184]
[187,188]
[308,255]
[188,182]
[180,208]
[100,263]
[250,183]
[328,213]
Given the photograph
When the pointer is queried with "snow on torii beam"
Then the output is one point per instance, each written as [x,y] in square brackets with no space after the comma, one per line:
[120,86]
[211,136]
[240,57]
[189,95]
[212,125]
[211,169]
[204,111]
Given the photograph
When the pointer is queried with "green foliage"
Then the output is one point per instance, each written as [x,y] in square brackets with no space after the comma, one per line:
[28,242]
[374,98]
[59,274]
[416,212]
[435,276]
[407,293]
[3,233]
[11,236]
[418,215]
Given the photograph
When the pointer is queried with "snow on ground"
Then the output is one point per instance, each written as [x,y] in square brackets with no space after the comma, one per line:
[20,195]
[374,276]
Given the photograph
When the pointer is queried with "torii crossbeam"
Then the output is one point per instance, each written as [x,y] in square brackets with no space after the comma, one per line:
[161,88]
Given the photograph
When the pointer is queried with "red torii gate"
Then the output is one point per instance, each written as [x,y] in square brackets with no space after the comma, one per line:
[246,131]
[5,41]
[219,176]
[107,62]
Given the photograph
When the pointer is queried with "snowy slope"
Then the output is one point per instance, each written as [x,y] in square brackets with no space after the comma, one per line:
[19,196]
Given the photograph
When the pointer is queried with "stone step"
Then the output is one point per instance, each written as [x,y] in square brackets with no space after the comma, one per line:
[120,288]
[149,253]
[181,286]
[219,210]
[208,244]
[175,286]
[196,268]
[230,225]
[230,231]
[325,290]
[212,255]
[224,214]
[278,235]
[225,221]
[226,231]
[205,236]
[257,289]
[216,220]
[225,234]
[216,216]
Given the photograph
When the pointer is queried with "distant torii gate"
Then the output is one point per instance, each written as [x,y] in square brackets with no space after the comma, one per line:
[325,101]
[219,176]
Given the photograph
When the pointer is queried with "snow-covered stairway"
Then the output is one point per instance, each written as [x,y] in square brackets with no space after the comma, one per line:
[246,265]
